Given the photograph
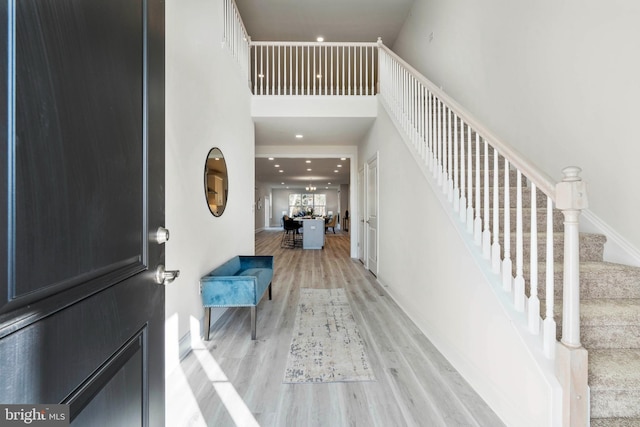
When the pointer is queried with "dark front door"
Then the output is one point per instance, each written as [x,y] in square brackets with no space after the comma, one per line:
[81,195]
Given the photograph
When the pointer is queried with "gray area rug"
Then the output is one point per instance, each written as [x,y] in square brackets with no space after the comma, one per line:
[326,345]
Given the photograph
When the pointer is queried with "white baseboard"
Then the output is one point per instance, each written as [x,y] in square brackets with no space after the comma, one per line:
[617,249]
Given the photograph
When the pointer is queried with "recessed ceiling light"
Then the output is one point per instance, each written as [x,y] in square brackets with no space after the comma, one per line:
[261,75]
[343,158]
[283,171]
[319,76]
[320,39]
[308,161]
[336,171]
[309,170]
[270,158]
[282,183]
[326,188]
[276,166]
[299,136]
[339,166]
[328,183]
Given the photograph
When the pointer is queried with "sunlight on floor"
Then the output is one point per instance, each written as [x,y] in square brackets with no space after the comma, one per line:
[184,409]
[177,409]
[236,407]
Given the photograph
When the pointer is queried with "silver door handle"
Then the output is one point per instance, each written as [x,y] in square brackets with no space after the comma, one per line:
[162,235]
[164,277]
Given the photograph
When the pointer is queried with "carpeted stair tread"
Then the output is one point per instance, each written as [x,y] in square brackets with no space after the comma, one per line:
[610,323]
[621,311]
[604,323]
[615,422]
[597,279]
[614,380]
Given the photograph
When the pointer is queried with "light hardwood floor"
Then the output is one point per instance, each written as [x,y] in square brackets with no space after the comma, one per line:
[234,381]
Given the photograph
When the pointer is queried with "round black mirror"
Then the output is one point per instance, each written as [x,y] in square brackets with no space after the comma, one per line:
[216,182]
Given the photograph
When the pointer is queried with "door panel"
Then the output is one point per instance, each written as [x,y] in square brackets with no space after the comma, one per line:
[361,215]
[83,192]
[372,215]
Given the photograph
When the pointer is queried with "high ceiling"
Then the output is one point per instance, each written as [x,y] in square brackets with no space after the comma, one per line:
[335,20]
[305,20]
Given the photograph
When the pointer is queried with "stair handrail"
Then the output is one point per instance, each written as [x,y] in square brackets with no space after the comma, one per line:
[543,181]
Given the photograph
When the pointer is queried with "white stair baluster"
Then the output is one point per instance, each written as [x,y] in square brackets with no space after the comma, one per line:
[477,222]
[455,194]
[469,183]
[507,273]
[533,306]
[430,129]
[486,231]
[463,196]
[549,338]
[518,282]
[495,247]
[449,155]
[445,140]
[439,141]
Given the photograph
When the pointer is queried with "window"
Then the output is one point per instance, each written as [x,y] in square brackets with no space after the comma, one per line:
[307,204]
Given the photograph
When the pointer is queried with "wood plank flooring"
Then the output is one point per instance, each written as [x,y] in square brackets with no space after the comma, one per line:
[233,381]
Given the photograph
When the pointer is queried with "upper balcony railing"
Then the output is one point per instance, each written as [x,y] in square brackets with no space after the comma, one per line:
[292,68]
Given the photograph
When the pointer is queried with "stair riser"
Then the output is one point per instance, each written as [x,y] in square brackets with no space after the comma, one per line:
[591,248]
[610,336]
[512,177]
[615,403]
[593,284]
[541,198]
[541,216]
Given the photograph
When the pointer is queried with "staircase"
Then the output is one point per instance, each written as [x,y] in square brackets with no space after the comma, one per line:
[609,312]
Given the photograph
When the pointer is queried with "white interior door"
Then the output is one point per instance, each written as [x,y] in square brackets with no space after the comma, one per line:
[267,212]
[361,213]
[372,214]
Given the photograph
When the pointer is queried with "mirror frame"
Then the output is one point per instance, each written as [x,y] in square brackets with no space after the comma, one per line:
[219,186]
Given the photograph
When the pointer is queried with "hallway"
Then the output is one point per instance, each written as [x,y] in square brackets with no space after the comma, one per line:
[236,381]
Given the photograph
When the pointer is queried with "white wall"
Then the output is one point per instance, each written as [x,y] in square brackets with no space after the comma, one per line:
[427,268]
[558,80]
[207,105]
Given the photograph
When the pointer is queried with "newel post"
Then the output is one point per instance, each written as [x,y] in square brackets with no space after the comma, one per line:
[571,357]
